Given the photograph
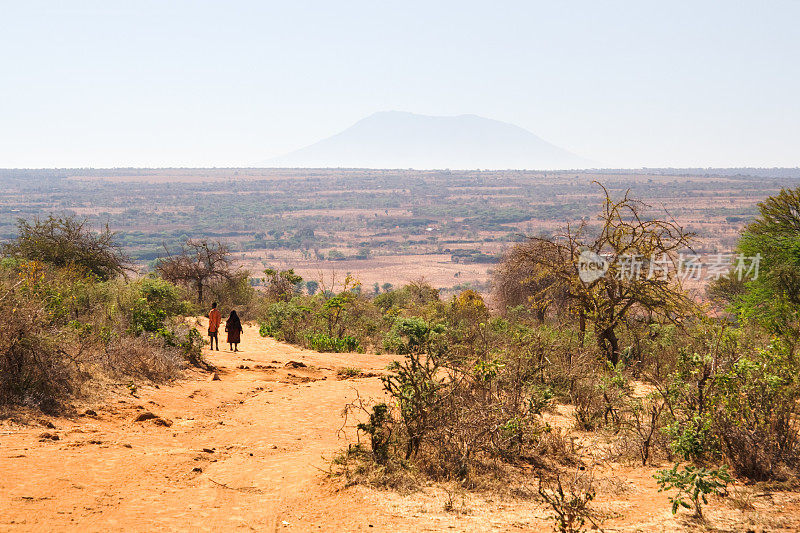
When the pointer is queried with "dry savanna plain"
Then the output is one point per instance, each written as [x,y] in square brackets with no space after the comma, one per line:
[381,226]
[254,441]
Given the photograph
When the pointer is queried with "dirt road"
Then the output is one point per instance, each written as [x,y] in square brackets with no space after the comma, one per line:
[241,453]
[246,452]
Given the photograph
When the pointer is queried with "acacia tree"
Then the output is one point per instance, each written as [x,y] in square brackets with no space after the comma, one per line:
[773,296]
[69,241]
[199,264]
[634,275]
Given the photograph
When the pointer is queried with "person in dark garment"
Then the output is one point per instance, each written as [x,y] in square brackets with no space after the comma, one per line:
[234,328]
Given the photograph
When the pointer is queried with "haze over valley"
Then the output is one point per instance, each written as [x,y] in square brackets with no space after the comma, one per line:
[394,139]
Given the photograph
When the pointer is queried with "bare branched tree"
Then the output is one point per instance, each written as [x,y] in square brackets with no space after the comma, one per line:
[636,265]
[198,264]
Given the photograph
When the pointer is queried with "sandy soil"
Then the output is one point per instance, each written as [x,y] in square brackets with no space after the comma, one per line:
[248,451]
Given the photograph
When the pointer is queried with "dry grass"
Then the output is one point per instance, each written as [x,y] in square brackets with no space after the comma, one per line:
[143,358]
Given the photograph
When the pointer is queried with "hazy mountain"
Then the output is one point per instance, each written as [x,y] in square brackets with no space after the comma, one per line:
[394,139]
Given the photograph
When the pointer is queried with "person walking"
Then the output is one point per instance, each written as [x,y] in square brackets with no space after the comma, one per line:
[234,328]
[214,319]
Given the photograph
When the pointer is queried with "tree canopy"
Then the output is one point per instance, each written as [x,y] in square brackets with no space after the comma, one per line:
[773,296]
[68,242]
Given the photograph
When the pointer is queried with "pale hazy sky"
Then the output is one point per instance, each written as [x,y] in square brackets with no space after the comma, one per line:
[233,83]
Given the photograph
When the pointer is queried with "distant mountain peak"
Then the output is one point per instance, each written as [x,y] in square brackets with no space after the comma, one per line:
[399,139]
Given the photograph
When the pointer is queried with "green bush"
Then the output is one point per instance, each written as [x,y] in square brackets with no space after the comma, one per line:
[693,483]
[772,298]
[146,318]
[410,335]
[286,321]
[692,439]
[757,416]
[66,327]
[379,430]
[163,295]
[322,342]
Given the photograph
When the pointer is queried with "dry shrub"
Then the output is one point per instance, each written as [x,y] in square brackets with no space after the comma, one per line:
[68,242]
[642,436]
[757,416]
[519,283]
[589,404]
[235,292]
[34,369]
[379,466]
[456,501]
[198,264]
[551,357]
[738,403]
[68,318]
[356,466]
[63,329]
[142,357]
[570,498]
[477,443]
[472,424]
[43,363]
[473,415]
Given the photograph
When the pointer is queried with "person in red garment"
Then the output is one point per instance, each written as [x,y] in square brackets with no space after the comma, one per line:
[234,328]
[214,320]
